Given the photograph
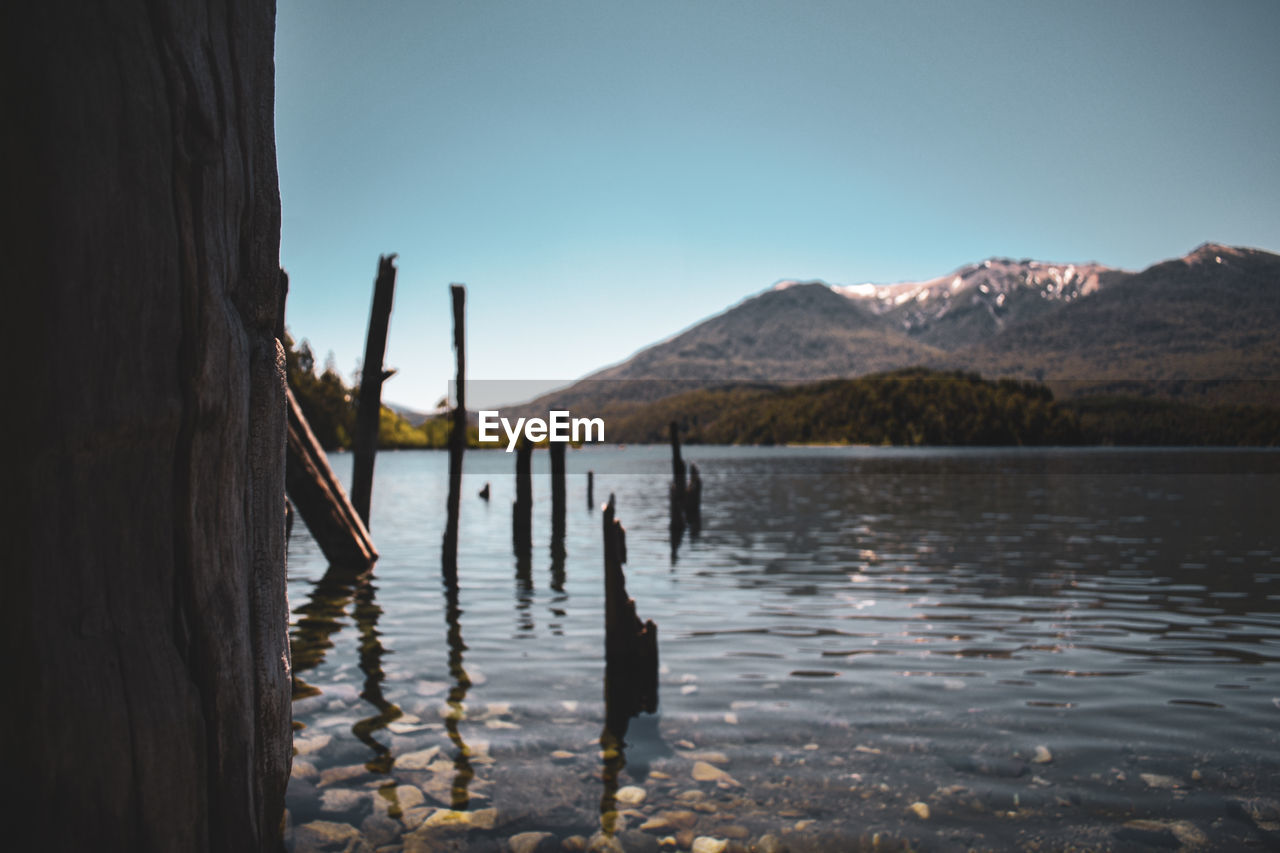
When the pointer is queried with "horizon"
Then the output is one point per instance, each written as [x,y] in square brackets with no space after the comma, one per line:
[602,179]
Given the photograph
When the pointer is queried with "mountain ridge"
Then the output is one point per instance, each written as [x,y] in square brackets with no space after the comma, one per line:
[1207,317]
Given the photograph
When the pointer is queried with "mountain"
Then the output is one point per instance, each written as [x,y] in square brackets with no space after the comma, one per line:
[1204,325]
[980,300]
[1201,325]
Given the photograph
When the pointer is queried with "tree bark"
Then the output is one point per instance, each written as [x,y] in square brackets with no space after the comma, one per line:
[148,703]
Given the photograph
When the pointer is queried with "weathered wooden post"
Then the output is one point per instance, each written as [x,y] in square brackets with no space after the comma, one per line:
[556,451]
[631,647]
[458,436]
[320,498]
[372,375]
[677,464]
[522,509]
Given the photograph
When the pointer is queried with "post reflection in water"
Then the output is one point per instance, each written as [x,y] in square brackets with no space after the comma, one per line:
[463,773]
[322,617]
[524,594]
[558,579]
[367,612]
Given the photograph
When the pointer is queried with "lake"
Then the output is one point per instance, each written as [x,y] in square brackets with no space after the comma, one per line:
[862,648]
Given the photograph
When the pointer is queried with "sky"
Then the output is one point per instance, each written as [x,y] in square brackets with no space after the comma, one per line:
[602,174]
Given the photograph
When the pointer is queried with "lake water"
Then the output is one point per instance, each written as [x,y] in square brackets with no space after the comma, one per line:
[950,649]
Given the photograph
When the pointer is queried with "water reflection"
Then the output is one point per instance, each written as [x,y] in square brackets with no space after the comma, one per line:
[463,772]
[524,594]
[371,651]
[318,621]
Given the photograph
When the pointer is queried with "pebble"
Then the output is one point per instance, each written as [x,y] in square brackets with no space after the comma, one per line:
[768,843]
[303,770]
[920,810]
[341,799]
[1043,755]
[704,772]
[341,774]
[707,844]
[1155,780]
[480,819]
[634,841]
[324,834]
[562,755]
[419,760]
[527,842]
[632,795]
[1186,832]
[408,797]
[309,745]
[601,843]
[574,844]
[378,829]
[709,756]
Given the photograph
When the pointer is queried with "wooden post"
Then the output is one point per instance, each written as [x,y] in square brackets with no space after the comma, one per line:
[522,509]
[320,498]
[369,414]
[631,647]
[556,451]
[458,437]
[677,464]
[591,490]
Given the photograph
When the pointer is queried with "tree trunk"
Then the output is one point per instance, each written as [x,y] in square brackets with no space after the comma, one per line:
[147,707]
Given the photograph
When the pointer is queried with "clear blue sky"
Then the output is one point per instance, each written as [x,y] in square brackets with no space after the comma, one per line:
[601,174]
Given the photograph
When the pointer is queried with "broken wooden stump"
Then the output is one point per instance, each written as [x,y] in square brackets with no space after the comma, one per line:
[372,375]
[320,499]
[556,451]
[484,493]
[458,436]
[522,509]
[631,647]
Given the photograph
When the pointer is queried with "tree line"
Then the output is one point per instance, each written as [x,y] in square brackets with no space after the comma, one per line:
[916,406]
[330,405]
